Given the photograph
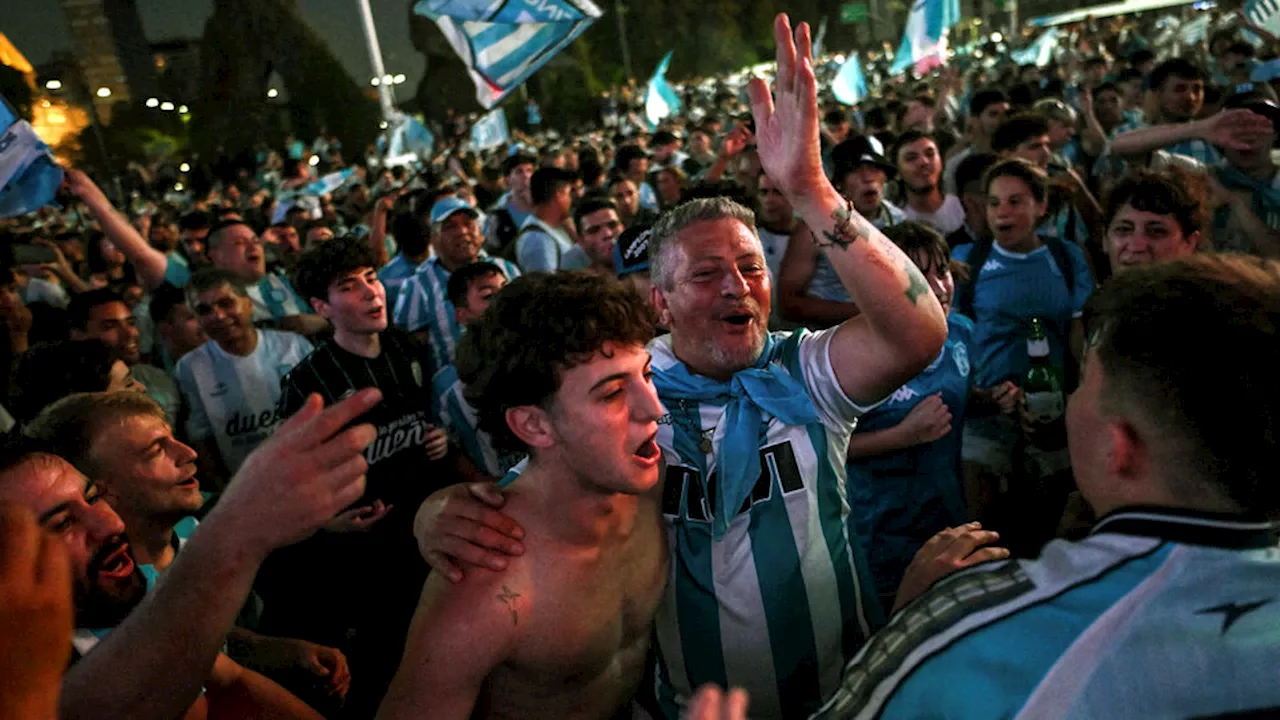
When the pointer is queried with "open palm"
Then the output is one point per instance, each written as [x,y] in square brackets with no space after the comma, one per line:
[787,121]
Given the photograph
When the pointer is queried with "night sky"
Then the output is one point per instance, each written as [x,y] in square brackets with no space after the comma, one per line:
[40,28]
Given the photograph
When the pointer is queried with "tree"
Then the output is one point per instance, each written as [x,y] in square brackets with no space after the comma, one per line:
[14,88]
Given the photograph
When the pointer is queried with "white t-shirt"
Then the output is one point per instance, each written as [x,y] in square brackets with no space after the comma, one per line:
[946,219]
[234,399]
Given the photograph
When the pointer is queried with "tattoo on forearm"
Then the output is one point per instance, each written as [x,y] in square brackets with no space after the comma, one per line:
[509,598]
[848,229]
[916,285]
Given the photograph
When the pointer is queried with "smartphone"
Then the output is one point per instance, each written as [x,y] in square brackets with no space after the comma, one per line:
[33,255]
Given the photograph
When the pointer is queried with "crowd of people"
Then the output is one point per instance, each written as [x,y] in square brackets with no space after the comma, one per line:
[760,414]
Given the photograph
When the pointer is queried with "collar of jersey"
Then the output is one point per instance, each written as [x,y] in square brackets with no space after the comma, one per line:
[995,247]
[1191,527]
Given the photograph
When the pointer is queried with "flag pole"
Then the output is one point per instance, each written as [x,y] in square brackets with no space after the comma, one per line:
[375,59]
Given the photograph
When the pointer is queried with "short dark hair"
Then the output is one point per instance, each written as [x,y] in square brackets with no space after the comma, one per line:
[1141,55]
[516,160]
[917,239]
[319,266]
[663,137]
[1241,48]
[215,232]
[1105,87]
[208,278]
[834,116]
[1017,130]
[970,170]
[1095,61]
[163,300]
[1165,193]
[461,279]
[984,99]
[195,220]
[82,305]
[1216,445]
[547,181]
[622,159]
[50,371]
[1033,176]
[539,326]
[1175,67]
[908,137]
[590,204]
[1128,74]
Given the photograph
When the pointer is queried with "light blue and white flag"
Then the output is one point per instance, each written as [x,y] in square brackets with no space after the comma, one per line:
[660,100]
[29,177]
[306,195]
[1039,52]
[410,137]
[850,85]
[328,183]
[1265,14]
[924,41]
[819,38]
[1195,31]
[503,42]
[490,131]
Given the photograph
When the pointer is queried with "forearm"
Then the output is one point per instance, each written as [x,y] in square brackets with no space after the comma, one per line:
[309,324]
[882,281]
[149,261]
[717,169]
[878,442]
[378,236]
[238,692]
[1145,140]
[1094,138]
[154,664]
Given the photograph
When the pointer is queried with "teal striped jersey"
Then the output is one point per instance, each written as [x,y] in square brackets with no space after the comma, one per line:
[784,599]
[423,304]
[458,418]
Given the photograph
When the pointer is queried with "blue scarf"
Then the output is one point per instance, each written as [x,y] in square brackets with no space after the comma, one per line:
[747,397]
[1266,199]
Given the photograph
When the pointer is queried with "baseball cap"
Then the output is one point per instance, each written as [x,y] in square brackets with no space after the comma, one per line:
[631,251]
[860,150]
[447,206]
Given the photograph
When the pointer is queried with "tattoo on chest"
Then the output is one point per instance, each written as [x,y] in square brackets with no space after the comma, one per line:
[915,283]
[848,229]
[509,598]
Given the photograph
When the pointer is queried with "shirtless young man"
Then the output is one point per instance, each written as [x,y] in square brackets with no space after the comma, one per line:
[563,632]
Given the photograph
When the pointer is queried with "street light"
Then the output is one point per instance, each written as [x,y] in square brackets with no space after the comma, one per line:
[314,161]
[376,82]
[104,92]
[996,37]
[153,102]
[53,85]
[166,106]
[399,78]
[184,167]
[273,93]
[387,80]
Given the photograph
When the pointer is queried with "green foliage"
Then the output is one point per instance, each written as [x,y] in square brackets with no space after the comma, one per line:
[14,88]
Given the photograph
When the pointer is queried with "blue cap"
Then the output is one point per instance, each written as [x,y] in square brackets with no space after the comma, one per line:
[631,251]
[447,206]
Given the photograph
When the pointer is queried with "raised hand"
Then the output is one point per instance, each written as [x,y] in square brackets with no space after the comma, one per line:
[1237,129]
[35,616]
[302,476]
[787,121]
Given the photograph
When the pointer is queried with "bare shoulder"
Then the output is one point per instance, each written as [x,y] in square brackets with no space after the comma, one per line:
[484,613]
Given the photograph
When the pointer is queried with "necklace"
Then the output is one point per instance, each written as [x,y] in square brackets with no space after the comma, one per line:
[693,425]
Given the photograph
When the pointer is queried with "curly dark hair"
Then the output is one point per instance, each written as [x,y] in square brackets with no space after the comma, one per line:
[539,326]
[1172,192]
[323,263]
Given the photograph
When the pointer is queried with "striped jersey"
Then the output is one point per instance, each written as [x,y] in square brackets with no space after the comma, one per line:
[1159,613]
[234,399]
[458,418]
[393,275]
[783,600]
[272,295]
[423,305]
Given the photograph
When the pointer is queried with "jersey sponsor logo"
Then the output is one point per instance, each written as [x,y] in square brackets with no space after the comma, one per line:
[776,461]
[1233,611]
[407,432]
[991,265]
[961,354]
[903,394]
[255,423]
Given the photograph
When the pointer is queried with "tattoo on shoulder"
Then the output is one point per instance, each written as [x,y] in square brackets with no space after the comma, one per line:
[846,231]
[916,285]
[509,598]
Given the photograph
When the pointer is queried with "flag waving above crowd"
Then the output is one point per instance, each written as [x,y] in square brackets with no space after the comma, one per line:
[924,41]
[503,43]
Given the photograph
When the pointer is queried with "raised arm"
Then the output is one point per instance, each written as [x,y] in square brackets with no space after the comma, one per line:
[1228,129]
[154,664]
[901,327]
[149,262]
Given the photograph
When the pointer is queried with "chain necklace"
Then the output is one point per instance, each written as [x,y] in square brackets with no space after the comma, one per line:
[681,419]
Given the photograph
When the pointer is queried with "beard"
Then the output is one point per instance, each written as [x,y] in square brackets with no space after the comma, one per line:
[100,605]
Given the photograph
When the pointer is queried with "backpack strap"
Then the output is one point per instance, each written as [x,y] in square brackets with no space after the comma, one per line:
[1058,249]
[965,292]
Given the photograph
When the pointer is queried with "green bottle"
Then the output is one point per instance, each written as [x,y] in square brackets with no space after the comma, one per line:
[1044,388]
